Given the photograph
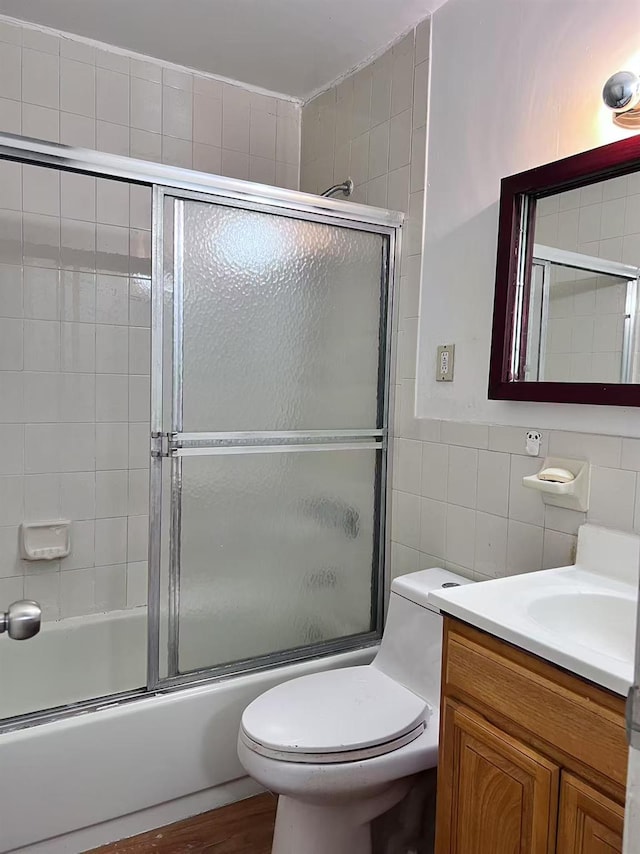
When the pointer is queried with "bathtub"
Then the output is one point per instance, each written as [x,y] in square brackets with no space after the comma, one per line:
[79,782]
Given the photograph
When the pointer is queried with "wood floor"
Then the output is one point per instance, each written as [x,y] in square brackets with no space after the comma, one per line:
[246,827]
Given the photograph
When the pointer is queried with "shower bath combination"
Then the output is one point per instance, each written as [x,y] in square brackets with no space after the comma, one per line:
[266,450]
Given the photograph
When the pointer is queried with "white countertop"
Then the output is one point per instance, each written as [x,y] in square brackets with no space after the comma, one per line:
[581,620]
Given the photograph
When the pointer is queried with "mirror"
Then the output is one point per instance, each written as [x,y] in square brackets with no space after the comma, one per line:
[566,325]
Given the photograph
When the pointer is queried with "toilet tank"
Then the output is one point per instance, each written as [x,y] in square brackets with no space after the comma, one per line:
[411,648]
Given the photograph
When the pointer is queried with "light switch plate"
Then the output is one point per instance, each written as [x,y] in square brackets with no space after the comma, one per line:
[444,365]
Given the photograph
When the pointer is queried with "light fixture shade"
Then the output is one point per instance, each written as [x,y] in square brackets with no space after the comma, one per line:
[621,92]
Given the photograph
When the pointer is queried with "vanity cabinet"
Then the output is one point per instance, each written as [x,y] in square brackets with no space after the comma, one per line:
[532,759]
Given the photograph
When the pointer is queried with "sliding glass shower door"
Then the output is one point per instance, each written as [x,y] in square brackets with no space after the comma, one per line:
[270,426]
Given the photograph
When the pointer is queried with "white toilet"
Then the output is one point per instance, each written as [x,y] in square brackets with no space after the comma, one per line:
[340,747]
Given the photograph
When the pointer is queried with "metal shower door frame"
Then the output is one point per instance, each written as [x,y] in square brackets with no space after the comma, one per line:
[176,444]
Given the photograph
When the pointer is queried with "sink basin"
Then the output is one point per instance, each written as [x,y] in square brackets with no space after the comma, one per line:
[602,622]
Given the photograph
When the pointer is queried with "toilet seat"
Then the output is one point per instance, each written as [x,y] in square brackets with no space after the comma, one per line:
[335,716]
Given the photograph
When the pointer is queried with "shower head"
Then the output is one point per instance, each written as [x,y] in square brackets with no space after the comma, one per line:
[346,188]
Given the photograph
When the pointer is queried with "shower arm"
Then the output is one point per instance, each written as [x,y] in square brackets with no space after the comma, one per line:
[346,188]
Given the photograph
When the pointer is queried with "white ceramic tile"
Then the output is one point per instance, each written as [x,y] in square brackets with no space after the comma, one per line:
[45,589]
[41,293]
[111,541]
[400,140]
[10,564]
[235,164]
[362,87]
[146,105]
[77,499]
[112,400]
[401,83]
[562,520]
[139,350]
[177,152]
[524,547]
[407,466]
[77,397]
[465,433]
[612,497]
[558,549]
[42,397]
[140,207]
[113,138]
[110,587]
[12,396]
[40,40]
[10,33]
[288,140]
[177,113]
[77,88]
[41,497]
[139,398]
[137,538]
[145,145]
[379,150]
[112,298]
[77,347]
[12,439]
[138,495]
[493,482]
[112,446]
[287,176]
[112,202]
[208,87]
[462,477]
[112,60]
[112,253]
[460,535]
[405,519]
[40,78]
[78,196]
[139,301]
[235,126]
[599,450]
[262,134]
[77,130]
[77,245]
[10,71]
[80,51]
[76,447]
[491,544]
[112,349]
[137,584]
[177,79]
[381,89]
[398,189]
[418,158]
[111,493]
[207,158]
[11,500]
[41,345]
[139,445]
[77,592]
[262,170]
[11,344]
[433,516]
[525,505]
[403,560]
[11,302]
[630,454]
[420,94]
[11,183]
[41,240]
[377,192]
[10,114]
[207,120]
[112,96]
[140,252]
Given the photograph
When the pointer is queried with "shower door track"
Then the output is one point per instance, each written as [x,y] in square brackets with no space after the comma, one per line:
[186,183]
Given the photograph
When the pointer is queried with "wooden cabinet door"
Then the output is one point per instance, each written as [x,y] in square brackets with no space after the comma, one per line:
[495,795]
[589,822]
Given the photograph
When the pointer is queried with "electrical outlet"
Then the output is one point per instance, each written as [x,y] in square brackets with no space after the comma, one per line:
[444,366]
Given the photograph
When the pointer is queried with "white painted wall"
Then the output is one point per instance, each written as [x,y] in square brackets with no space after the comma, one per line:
[514,83]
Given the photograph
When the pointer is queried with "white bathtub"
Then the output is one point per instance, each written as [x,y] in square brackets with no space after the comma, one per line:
[77,783]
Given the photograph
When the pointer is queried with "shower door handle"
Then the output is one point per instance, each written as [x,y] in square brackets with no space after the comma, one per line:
[22,620]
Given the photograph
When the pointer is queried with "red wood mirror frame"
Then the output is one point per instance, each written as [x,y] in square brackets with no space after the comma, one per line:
[518,196]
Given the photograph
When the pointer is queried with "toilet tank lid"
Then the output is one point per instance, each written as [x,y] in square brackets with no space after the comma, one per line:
[416,586]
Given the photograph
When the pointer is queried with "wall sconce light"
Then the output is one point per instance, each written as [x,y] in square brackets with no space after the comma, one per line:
[621,93]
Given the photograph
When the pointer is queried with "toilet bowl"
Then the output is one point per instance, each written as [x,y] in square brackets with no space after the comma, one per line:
[341,747]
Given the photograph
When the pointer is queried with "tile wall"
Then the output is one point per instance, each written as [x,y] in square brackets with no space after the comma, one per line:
[74,297]
[458,499]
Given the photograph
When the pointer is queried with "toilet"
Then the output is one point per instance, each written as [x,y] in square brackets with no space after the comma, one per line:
[341,747]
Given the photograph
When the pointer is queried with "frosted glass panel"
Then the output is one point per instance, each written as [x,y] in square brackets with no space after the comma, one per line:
[277,552]
[281,322]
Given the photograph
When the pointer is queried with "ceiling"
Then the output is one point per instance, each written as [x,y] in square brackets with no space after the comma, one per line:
[295,47]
